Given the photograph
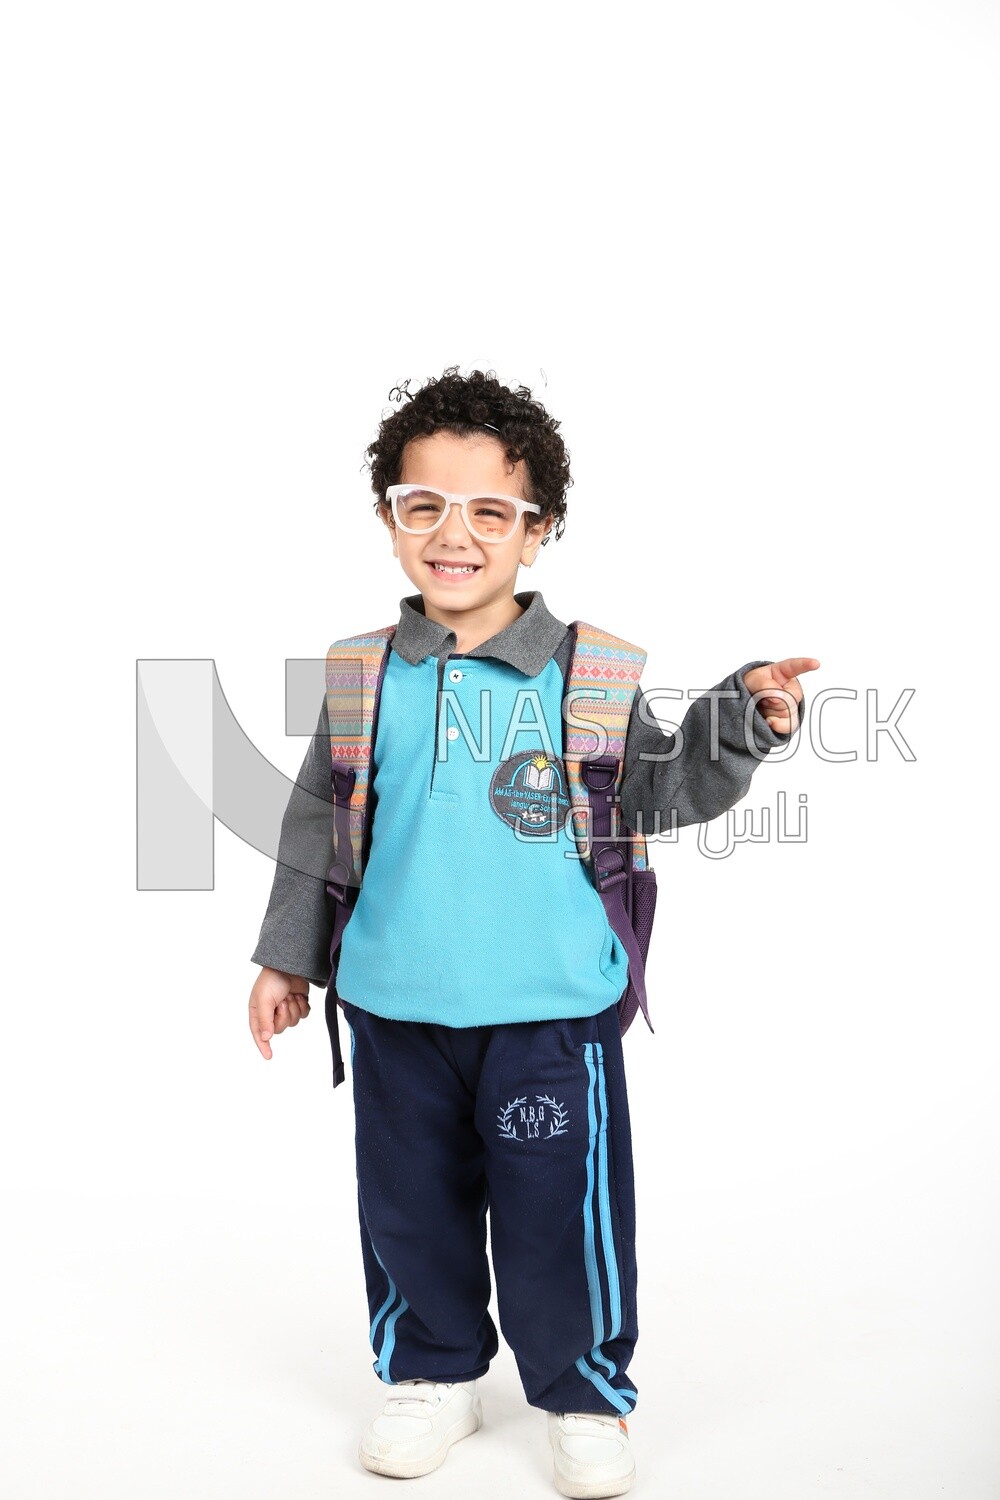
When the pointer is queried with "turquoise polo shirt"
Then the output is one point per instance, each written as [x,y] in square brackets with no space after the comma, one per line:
[475,908]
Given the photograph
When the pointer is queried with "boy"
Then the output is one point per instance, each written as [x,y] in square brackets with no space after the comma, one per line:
[479,974]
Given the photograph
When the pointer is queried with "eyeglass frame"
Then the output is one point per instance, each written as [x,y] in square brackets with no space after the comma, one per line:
[395,490]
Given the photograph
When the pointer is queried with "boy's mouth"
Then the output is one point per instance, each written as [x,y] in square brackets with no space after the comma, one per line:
[453,570]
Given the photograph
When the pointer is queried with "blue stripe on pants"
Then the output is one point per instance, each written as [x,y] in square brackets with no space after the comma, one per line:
[389,1332]
[598,1144]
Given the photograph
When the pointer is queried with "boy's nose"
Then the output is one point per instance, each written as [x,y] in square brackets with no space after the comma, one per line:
[453,527]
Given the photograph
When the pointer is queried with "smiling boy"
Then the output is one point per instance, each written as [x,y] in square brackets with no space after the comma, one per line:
[466,584]
[479,974]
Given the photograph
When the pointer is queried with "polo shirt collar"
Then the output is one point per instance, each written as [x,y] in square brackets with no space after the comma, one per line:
[528,643]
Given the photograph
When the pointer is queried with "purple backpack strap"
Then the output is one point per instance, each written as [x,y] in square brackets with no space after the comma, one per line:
[615,877]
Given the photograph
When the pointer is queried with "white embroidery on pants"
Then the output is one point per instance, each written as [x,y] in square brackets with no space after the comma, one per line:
[522,1121]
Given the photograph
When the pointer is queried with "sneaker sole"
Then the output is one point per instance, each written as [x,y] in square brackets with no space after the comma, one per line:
[413,1468]
[593,1489]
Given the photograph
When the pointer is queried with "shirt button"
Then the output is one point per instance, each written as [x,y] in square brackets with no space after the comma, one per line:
[455,675]
[452,732]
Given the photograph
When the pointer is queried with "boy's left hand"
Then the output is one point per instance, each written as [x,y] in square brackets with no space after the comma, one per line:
[781,714]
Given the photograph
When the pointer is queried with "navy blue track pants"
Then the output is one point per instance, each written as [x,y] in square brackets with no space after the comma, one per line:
[531,1122]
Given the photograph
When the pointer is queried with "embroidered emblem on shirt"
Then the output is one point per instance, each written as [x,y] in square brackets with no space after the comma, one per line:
[528,791]
[522,1121]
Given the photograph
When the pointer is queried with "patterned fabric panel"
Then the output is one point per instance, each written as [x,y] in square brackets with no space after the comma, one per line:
[603,676]
[352,668]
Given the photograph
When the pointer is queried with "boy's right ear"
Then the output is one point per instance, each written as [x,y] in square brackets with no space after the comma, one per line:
[385,511]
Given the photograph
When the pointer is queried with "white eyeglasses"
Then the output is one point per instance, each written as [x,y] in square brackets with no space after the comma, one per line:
[490,518]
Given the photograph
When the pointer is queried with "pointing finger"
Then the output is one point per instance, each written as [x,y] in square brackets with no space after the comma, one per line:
[792,666]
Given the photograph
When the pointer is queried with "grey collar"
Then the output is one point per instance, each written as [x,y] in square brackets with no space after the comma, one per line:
[528,643]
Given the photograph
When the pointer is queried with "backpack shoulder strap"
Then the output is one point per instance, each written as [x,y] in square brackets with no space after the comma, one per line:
[601,683]
[355,666]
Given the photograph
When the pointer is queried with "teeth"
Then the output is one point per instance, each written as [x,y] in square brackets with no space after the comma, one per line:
[442,568]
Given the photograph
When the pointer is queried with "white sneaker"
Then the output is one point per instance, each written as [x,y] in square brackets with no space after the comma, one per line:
[592,1454]
[415,1430]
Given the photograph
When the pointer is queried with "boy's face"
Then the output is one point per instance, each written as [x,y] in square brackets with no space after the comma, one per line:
[467,466]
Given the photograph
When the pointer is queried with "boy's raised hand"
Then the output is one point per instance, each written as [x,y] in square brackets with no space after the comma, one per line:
[775,678]
[277,1000]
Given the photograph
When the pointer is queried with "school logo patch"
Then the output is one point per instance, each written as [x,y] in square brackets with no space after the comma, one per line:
[522,1121]
[529,792]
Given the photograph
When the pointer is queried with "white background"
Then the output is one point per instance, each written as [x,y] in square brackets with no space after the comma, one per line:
[748,255]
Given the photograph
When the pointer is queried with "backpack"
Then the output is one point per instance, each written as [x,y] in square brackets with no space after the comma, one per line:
[601,682]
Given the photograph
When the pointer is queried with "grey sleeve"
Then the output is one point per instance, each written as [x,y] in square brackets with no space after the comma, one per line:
[298,925]
[708,773]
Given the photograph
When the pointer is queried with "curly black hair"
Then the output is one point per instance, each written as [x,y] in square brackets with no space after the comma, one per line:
[465,404]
